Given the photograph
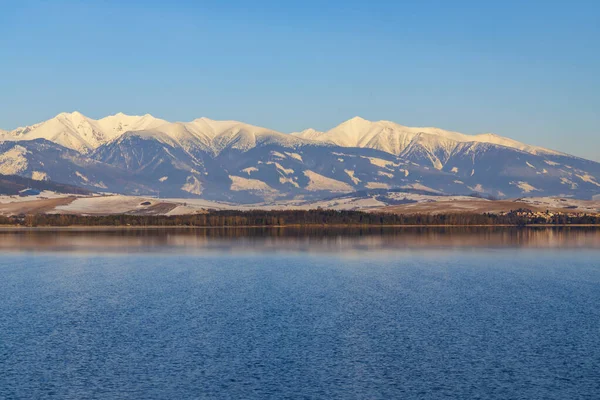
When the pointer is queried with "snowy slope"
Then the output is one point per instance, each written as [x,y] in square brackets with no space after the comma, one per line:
[395,138]
[238,162]
[215,136]
[84,134]
[78,132]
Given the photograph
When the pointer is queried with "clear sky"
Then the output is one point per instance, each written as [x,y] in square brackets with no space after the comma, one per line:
[529,70]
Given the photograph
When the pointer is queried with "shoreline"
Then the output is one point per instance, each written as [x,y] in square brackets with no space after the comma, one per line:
[8,228]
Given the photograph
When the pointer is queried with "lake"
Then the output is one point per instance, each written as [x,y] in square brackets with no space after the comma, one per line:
[494,313]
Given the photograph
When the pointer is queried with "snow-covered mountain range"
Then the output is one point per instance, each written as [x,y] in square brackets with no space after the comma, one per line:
[234,161]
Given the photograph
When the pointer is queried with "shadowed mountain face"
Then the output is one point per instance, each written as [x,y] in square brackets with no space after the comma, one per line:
[232,161]
[15,185]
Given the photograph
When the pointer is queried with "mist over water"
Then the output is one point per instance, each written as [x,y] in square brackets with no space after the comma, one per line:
[289,313]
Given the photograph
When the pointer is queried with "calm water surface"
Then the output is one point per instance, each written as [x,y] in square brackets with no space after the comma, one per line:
[488,314]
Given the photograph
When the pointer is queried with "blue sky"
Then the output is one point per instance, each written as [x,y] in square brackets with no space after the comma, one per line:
[526,70]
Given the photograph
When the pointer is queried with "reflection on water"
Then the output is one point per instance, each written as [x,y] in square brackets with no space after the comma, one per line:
[313,239]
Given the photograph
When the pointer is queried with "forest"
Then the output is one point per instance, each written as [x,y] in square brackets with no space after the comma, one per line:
[232,218]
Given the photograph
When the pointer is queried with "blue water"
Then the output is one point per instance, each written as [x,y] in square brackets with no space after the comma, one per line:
[471,323]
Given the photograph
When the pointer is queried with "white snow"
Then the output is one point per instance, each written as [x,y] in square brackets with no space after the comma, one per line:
[386,174]
[589,179]
[39,176]
[45,194]
[250,170]
[78,132]
[84,134]
[242,184]
[351,175]
[81,176]
[377,185]
[455,170]
[277,154]
[295,156]
[319,182]
[529,165]
[477,188]
[524,186]
[117,204]
[13,161]
[588,206]
[381,162]
[395,138]
[420,186]
[192,185]
[566,181]
[283,180]
[164,178]
[280,168]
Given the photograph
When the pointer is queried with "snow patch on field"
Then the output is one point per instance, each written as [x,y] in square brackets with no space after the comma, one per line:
[529,165]
[277,154]
[552,163]
[381,162]
[39,176]
[103,205]
[164,178]
[455,170]
[588,206]
[351,175]
[82,176]
[280,168]
[525,187]
[420,186]
[430,198]
[566,181]
[345,203]
[250,170]
[100,185]
[377,185]
[319,182]
[13,161]
[477,188]
[295,156]
[386,174]
[45,194]
[283,180]
[192,185]
[243,184]
[589,179]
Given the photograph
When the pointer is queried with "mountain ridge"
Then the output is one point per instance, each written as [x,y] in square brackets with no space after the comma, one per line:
[76,131]
[238,162]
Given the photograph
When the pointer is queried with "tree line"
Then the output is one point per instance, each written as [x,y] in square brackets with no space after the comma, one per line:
[235,218]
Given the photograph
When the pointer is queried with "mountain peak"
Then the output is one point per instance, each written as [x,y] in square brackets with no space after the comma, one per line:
[358,119]
[70,114]
[80,132]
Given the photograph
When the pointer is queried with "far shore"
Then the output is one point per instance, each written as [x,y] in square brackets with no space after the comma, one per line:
[324,226]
